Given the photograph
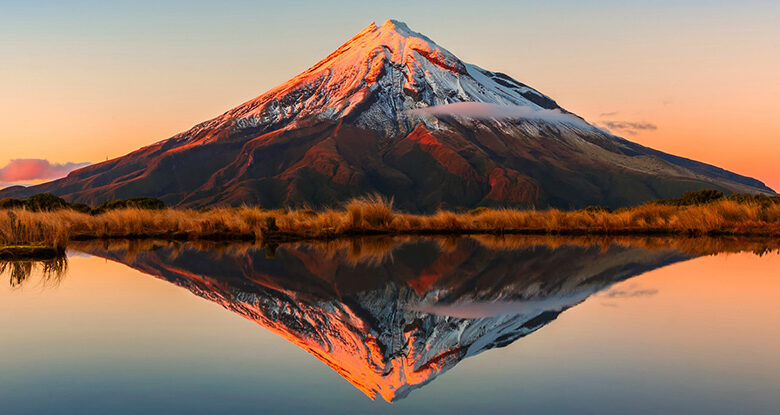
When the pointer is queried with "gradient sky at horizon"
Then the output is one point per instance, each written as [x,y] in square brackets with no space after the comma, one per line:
[82,81]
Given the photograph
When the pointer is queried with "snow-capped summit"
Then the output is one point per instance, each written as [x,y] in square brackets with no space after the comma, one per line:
[392,112]
[374,78]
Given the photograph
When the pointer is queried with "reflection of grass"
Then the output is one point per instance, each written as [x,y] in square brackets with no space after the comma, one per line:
[379,249]
[29,252]
[376,215]
[19,271]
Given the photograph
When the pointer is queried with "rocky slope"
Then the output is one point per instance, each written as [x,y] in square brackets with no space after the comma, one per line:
[392,112]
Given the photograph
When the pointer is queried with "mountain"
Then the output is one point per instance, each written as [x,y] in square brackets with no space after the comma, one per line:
[428,305]
[392,112]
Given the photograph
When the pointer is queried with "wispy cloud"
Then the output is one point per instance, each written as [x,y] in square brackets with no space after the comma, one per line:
[27,170]
[629,293]
[628,127]
[486,111]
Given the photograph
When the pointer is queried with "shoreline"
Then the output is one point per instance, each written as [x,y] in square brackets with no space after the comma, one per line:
[759,242]
[53,230]
[48,252]
[285,237]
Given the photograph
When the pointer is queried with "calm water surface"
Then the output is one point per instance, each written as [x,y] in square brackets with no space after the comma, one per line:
[450,326]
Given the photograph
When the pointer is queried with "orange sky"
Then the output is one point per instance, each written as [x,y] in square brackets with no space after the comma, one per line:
[87,82]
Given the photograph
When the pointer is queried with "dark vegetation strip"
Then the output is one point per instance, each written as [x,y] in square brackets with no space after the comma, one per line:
[13,252]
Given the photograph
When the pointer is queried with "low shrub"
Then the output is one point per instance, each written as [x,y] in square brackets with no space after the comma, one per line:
[145,203]
[700,197]
[760,199]
[478,210]
[11,203]
[45,202]
[81,207]
[598,209]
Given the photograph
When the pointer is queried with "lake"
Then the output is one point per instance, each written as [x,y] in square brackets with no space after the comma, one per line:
[446,325]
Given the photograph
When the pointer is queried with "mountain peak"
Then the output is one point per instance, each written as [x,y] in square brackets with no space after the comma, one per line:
[399,27]
[392,112]
[398,41]
[390,25]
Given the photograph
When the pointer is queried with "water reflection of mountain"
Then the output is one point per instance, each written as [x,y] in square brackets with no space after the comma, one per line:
[390,315]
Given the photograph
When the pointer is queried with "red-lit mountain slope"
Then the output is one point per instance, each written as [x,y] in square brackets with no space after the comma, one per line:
[391,112]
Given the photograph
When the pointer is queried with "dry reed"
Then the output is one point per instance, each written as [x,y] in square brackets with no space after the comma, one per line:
[375,215]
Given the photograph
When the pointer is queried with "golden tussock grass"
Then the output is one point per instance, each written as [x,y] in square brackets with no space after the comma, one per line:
[375,215]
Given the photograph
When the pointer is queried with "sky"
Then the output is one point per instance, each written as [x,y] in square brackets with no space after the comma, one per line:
[82,81]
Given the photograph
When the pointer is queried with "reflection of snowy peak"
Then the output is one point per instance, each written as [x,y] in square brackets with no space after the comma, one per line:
[390,327]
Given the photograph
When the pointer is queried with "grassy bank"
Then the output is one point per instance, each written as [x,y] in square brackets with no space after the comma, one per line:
[376,216]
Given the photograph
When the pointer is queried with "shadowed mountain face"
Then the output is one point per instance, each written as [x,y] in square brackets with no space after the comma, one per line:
[392,112]
[391,315]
